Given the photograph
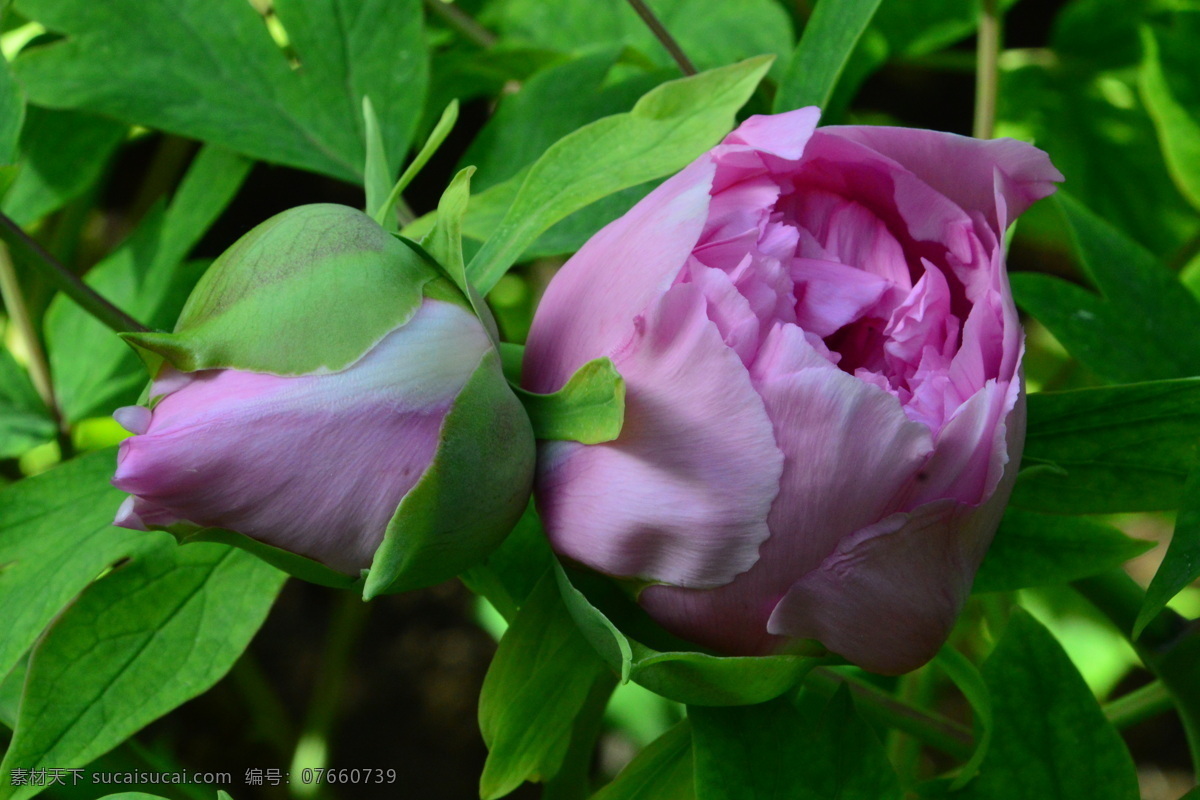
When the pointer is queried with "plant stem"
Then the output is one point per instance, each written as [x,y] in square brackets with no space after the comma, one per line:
[312,749]
[18,312]
[987,57]
[664,36]
[66,281]
[462,22]
[933,729]
[267,712]
[1140,704]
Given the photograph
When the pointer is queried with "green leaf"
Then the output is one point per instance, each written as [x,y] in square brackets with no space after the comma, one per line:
[968,680]
[1050,738]
[94,370]
[536,685]
[671,668]
[771,752]
[377,173]
[12,114]
[1119,448]
[1144,326]
[56,537]
[1099,136]
[915,29]
[1177,122]
[223,80]
[825,47]
[385,213]
[470,496]
[668,127]
[1181,563]
[444,244]
[662,771]
[64,153]
[589,408]
[151,635]
[333,263]
[552,103]
[24,420]
[1034,549]
[747,28]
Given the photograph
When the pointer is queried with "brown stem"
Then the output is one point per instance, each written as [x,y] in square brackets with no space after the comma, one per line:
[664,36]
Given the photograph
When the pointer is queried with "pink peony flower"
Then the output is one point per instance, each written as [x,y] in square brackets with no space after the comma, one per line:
[825,408]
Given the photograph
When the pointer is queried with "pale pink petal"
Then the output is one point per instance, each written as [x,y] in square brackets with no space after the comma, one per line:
[683,494]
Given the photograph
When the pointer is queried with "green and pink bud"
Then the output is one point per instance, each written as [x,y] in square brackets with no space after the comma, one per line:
[329,400]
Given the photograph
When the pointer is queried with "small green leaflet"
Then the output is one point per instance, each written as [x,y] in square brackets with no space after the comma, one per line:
[1177,123]
[590,408]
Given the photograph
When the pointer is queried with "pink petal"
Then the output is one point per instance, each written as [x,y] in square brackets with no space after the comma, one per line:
[316,464]
[887,597]
[589,307]
[961,168]
[783,135]
[683,494]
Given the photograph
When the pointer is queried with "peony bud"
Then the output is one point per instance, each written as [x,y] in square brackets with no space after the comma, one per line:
[329,394]
[825,409]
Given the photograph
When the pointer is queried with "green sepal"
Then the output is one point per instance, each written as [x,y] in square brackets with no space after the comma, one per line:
[298,566]
[469,498]
[310,290]
[673,668]
[590,408]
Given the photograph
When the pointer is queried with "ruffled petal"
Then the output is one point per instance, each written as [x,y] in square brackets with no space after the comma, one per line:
[683,494]
[850,455]
[316,464]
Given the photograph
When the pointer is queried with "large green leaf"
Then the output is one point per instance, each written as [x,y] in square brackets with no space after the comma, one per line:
[63,153]
[771,751]
[747,27]
[1049,736]
[662,771]
[828,41]
[536,686]
[1120,448]
[24,421]
[56,537]
[1099,136]
[94,370]
[12,112]
[210,70]
[668,127]
[1144,325]
[1181,563]
[1168,69]
[145,638]
[1034,549]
